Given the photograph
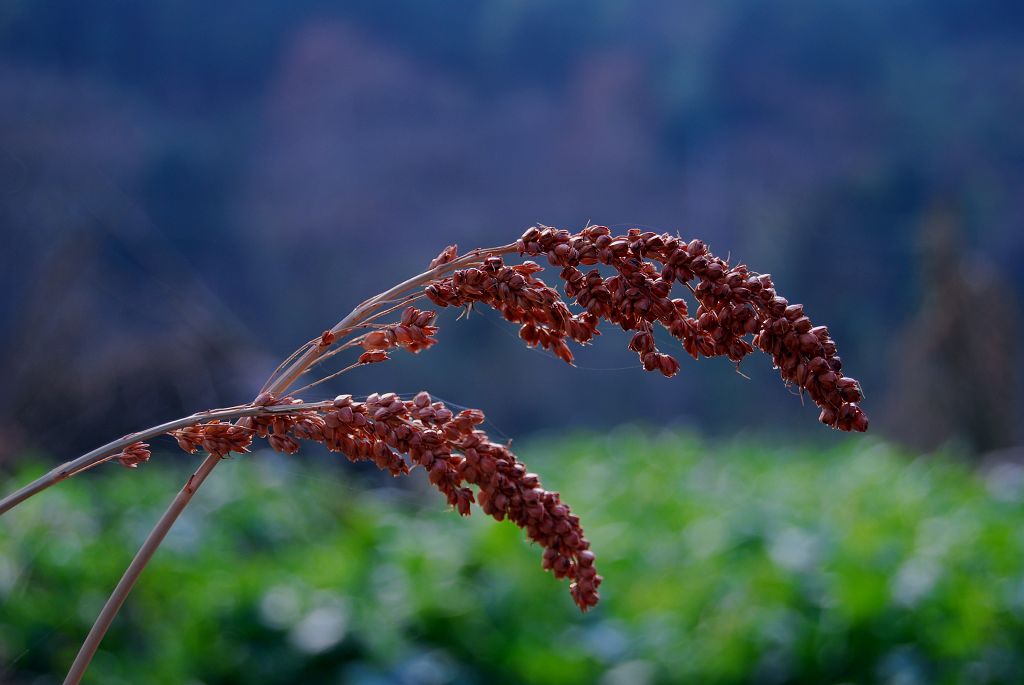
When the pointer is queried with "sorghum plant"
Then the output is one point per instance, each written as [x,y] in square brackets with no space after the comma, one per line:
[625,280]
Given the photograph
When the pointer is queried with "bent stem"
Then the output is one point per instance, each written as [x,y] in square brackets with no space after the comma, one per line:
[105,452]
[279,382]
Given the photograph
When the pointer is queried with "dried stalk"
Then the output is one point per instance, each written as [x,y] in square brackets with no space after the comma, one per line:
[294,366]
[738,311]
[276,385]
[134,570]
[106,452]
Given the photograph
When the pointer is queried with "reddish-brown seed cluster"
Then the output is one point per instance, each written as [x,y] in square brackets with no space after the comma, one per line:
[734,304]
[737,310]
[414,332]
[134,454]
[215,437]
[455,453]
[283,431]
[452,449]
[327,338]
[544,318]
[806,355]
[374,357]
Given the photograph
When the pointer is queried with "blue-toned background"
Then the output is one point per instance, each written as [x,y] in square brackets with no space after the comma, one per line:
[189,190]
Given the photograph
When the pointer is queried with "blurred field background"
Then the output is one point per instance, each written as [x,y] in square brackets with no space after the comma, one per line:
[726,562]
[190,190]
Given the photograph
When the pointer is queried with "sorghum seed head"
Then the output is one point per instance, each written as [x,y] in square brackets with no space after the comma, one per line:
[734,303]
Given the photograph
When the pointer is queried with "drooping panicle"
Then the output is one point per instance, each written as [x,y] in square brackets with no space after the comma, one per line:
[624,280]
[399,435]
[737,311]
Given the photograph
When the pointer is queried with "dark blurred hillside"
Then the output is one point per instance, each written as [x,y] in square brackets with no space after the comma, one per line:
[188,191]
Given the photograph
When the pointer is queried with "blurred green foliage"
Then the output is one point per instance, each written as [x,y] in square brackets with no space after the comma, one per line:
[724,563]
